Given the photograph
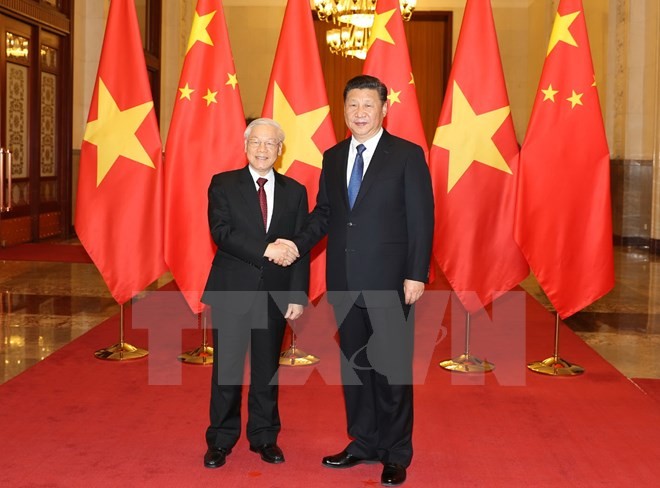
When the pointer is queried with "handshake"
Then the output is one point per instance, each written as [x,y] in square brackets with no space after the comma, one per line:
[282,252]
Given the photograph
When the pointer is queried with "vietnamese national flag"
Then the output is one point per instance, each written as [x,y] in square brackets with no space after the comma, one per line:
[474,161]
[389,61]
[119,217]
[205,138]
[297,100]
[563,214]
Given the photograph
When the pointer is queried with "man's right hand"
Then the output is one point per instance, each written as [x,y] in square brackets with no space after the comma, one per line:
[282,252]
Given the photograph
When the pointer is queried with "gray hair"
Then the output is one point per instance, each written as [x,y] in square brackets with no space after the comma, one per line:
[264,121]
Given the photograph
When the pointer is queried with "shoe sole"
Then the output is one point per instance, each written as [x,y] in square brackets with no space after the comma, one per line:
[364,461]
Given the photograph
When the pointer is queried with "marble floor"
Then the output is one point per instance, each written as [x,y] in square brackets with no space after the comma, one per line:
[44,306]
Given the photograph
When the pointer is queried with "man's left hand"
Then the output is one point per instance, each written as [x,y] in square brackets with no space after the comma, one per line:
[293,311]
[412,290]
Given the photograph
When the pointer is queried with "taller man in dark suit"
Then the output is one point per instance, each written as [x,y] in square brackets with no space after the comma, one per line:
[250,295]
[375,203]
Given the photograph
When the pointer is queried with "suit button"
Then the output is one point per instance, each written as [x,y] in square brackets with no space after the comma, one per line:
[350,224]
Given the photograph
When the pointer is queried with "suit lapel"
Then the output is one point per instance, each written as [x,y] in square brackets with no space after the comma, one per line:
[378,160]
[342,168]
[249,192]
[279,201]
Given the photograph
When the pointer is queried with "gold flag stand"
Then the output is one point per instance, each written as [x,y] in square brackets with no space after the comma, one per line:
[466,362]
[294,356]
[204,353]
[556,366]
[121,351]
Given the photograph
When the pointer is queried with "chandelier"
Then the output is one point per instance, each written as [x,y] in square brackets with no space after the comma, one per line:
[354,19]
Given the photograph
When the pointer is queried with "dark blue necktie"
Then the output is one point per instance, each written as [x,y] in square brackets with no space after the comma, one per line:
[356,175]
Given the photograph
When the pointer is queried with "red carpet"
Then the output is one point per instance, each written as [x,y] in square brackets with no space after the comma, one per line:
[75,421]
[649,386]
[62,253]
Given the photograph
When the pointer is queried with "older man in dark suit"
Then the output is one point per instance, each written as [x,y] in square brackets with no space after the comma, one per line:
[375,203]
[252,291]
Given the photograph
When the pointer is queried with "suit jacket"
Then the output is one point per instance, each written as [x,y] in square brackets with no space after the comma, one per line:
[387,236]
[237,228]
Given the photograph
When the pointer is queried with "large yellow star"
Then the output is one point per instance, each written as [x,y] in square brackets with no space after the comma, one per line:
[299,130]
[468,138]
[199,32]
[113,133]
[379,29]
[560,31]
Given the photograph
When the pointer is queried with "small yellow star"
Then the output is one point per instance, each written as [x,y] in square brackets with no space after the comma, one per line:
[575,99]
[393,97]
[199,32]
[185,92]
[379,29]
[549,93]
[412,79]
[594,83]
[210,97]
[560,31]
[232,80]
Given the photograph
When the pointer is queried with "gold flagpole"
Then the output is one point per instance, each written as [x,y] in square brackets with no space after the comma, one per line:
[466,362]
[121,351]
[294,356]
[204,353]
[554,365]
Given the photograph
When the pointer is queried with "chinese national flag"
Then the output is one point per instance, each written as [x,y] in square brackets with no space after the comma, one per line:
[297,100]
[205,138]
[563,214]
[389,61]
[119,203]
[474,160]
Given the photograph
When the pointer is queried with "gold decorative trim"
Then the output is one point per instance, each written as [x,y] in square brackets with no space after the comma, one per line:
[40,13]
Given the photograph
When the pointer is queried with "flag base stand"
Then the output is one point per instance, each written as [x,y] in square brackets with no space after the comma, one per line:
[556,366]
[122,351]
[203,354]
[296,357]
[466,362]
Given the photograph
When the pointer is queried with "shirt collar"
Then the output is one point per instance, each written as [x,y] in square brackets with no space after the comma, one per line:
[370,144]
[270,176]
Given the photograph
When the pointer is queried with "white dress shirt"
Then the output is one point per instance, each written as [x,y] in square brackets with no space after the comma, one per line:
[370,147]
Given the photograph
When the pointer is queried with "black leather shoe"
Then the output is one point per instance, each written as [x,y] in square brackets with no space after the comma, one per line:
[393,474]
[271,453]
[215,457]
[343,460]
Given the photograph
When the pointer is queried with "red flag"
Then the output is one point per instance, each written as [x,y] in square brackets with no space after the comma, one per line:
[119,202]
[563,214]
[205,138]
[388,60]
[296,98]
[474,160]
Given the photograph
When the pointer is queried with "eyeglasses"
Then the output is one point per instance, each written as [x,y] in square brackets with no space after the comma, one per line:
[271,144]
